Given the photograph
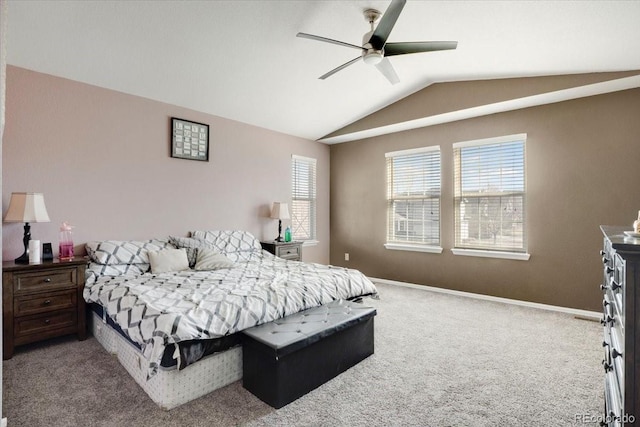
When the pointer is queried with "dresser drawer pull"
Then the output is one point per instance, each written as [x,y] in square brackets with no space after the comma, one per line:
[605,303]
[609,270]
[604,287]
[605,260]
[615,353]
[46,302]
[607,319]
[607,367]
[47,321]
[47,280]
[602,253]
[614,285]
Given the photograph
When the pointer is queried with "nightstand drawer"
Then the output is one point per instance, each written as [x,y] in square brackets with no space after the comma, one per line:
[44,322]
[289,251]
[34,304]
[45,280]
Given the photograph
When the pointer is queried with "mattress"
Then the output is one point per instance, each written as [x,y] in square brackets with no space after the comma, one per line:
[190,351]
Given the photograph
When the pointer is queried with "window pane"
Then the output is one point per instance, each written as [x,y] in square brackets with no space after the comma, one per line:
[490,196]
[303,203]
[414,197]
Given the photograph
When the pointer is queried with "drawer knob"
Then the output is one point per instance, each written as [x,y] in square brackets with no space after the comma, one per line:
[605,260]
[47,280]
[602,253]
[609,270]
[47,321]
[615,285]
[607,319]
[603,287]
[604,343]
[605,303]
[606,366]
[615,353]
[47,302]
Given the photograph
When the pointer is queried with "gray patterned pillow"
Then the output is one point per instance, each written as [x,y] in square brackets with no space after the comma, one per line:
[191,245]
[229,241]
[111,252]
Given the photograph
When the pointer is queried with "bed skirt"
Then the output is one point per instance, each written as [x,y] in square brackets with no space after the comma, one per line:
[171,387]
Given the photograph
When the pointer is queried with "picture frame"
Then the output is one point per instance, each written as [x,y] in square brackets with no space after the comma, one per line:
[189,140]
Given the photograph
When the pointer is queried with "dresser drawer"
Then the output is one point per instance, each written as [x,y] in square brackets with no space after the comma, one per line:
[44,280]
[289,251]
[43,323]
[34,304]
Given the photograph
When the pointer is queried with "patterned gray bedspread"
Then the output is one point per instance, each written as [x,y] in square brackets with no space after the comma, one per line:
[155,310]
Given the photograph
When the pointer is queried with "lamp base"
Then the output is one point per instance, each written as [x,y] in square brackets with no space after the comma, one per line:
[22,259]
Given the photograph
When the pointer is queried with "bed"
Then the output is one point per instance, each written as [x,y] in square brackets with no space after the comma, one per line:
[176,332]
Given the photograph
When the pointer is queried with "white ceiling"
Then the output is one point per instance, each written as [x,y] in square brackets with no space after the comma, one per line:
[242,60]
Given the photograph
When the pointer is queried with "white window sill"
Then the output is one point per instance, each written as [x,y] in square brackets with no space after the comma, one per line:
[310,243]
[492,254]
[414,248]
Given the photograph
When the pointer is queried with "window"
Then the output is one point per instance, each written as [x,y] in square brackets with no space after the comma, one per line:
[489,191]
[303,203]
[413,199]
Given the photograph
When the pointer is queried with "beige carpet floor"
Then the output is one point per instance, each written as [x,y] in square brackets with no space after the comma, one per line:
[440,360]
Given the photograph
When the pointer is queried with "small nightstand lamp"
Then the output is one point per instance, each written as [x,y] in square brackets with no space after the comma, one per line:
[280,211]
[26,207]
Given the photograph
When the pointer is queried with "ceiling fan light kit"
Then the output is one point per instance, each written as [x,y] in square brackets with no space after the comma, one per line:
[375,49]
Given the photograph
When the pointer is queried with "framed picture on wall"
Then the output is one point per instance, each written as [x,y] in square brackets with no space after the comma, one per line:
[189,140]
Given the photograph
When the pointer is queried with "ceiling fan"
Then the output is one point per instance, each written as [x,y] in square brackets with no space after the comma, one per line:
[375,49]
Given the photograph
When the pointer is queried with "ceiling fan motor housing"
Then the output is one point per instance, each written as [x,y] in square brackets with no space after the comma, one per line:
[370,55]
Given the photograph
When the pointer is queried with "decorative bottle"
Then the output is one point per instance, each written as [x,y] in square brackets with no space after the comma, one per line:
[636,224]
[66,242]
[287,234]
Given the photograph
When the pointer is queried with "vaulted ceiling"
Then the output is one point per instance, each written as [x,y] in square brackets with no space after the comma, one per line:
[242,60]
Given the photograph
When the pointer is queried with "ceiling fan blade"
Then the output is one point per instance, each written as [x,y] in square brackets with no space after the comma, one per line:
[335,70]
[388,20]
[391,49]
[324,39]
[387,70]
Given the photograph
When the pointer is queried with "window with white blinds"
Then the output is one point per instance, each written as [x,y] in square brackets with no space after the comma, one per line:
[303,198]
[489,194]
[413,197]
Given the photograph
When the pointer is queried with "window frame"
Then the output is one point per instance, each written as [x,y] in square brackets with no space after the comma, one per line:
[393,243]
[311,163]
[484,249]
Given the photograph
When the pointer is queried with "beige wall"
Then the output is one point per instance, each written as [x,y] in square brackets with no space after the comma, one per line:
[101,158]
[582,171]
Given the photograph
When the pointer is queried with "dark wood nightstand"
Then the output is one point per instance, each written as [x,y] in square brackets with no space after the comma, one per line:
[41,301]
[291,251]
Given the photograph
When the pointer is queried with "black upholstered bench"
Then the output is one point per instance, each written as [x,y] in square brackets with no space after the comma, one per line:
[289,357]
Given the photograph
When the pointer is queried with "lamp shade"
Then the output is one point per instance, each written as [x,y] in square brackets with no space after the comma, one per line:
[280,210]
[26,207]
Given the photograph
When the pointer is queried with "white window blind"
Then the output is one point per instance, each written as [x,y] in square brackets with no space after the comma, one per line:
[303,203]
[489,194]
[413,196]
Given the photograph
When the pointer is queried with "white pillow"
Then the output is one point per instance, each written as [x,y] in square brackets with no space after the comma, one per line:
[208,259]
[168,260]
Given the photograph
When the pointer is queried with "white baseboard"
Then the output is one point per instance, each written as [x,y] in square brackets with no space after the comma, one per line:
[4,422]
[581,314]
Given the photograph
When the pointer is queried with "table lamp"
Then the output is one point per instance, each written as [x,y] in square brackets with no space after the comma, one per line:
[280,211]
[26,207]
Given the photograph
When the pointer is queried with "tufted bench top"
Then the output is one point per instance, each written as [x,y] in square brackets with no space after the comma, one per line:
[296,331]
